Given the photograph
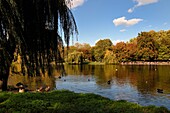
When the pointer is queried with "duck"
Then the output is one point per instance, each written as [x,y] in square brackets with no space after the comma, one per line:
[41,89]
[47,88]
[109,81]
[44,89]
[19,84]
[160,90]
[21,87]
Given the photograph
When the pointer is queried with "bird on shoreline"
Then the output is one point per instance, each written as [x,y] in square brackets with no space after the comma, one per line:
[43,88]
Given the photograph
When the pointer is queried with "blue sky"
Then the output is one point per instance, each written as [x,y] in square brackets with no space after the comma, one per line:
[119,20]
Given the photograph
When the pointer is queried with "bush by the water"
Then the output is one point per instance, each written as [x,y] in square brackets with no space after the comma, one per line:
[68,102]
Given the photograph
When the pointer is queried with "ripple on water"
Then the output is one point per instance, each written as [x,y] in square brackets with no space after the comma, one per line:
[113,91]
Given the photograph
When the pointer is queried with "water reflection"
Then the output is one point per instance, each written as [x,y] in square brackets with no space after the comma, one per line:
[137,84]
[133,83]
[33,83]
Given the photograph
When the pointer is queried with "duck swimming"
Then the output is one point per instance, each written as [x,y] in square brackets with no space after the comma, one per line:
[109,81]
[160,90]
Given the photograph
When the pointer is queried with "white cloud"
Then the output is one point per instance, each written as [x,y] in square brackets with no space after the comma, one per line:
[74,3]
[145,2]
[117,41]
[141,3]
[123,21]
[130,10]
[122,30]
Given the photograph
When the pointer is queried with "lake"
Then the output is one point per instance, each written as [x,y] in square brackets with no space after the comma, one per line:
[136,84]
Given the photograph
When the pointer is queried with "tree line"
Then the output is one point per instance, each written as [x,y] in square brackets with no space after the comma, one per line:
[147,46]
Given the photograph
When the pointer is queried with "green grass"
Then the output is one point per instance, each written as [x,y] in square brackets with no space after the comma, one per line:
[64,101]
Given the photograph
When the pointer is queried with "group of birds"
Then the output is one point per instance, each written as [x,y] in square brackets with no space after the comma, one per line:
[158,90]
[23,88]
[60,78]
[109,82]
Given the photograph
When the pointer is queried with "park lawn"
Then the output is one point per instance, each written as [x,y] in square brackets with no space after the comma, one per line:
[64,101]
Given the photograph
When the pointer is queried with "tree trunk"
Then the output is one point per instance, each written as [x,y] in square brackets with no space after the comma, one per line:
[5,62]
[5,80]
[4,84]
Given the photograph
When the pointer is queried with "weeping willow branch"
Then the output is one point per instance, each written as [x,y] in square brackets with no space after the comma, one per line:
[34,26]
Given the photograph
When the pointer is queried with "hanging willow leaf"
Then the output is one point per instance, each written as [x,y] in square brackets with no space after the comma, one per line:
[34,27]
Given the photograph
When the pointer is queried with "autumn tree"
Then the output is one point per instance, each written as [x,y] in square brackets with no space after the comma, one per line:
[85,49]
[131,50]
[120,51]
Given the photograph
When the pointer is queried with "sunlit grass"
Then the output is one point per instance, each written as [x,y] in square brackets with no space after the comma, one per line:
[68,102]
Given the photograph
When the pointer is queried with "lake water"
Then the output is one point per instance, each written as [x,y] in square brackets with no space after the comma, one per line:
[136,84]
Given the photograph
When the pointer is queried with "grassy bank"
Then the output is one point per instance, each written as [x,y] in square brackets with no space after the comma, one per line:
[68,102]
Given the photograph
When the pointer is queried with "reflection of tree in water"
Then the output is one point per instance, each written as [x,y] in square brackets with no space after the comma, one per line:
[163,81]
[34,82]
[145,78]
[101,73]
[149,78]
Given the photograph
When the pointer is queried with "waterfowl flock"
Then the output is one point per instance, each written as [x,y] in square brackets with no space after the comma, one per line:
[23,88]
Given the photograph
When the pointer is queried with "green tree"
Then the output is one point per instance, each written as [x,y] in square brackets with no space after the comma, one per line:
[147,46]
[100,48]
[84,49]
[75,57]
[110,57]
[163,39]
[32,29]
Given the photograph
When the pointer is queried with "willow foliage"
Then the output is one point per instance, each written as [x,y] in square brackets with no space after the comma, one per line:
[35,29]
